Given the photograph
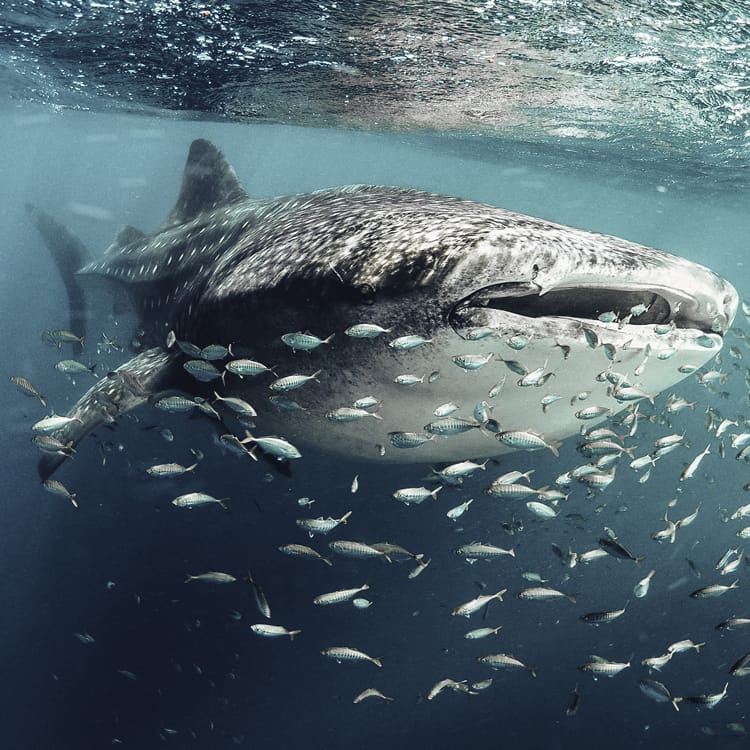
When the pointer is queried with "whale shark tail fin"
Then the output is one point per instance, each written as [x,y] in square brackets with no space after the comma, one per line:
[208,182]
[120,391]
[69,255]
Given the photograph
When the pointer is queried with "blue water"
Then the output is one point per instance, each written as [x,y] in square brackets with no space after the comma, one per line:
[114,568]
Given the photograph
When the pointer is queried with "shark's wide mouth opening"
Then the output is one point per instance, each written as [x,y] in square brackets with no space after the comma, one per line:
[641,307]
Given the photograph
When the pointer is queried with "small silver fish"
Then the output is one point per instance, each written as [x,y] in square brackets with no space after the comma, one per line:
[237,405]
[175,404]
[321,525]
[304,341]
[201,370]
[478,633]
[641,588]
[246,367]
[408,379]
[498,661]
[411,341]
[602,667]
[445,410]
[358,550]
[482,551]
[457,511]
[276,446]
[49,444]
[714,590]
[371,693]
[468,608]
[366,330]
[214,352]
[58,488]
[73,367]
[273,631]
[349,414]
[290,382]
[340,596]
[27,388]
[346,653]
[169,470]
[53,423]
[471,361]
[197,499]
[543,593]
[415,495]
[409,439]
[528,440]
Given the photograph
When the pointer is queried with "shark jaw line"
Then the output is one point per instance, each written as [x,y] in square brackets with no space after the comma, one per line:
[584,303]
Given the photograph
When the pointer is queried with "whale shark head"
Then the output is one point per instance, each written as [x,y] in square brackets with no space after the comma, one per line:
[518,323]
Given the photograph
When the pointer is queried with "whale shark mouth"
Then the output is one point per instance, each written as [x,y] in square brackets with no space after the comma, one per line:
[528,300]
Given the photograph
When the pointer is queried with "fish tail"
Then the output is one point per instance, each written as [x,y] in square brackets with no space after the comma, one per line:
[292,633]
[329,339]
[42,400]
[554,446]
[69,255]
[674,702]
[532,671]
[376,661]
[571,598]
[327,561]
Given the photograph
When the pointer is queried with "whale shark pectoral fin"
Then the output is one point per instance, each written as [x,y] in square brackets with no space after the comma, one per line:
[129,386]
[209,181]
[69,255]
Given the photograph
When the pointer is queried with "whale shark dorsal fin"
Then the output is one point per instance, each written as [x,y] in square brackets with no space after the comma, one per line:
[126,235]
[209,181]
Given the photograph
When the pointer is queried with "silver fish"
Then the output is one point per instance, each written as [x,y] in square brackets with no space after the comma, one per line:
[346,653]
[304,341]
[302,550]
[291,382]
[197,499]
[337,597]
[273,631]
[499,661]
[321,525]
[169,470]
[468,608]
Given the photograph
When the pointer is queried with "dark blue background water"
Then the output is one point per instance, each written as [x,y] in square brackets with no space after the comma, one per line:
[200,671]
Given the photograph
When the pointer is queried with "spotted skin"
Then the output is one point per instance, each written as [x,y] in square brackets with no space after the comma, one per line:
[224,268]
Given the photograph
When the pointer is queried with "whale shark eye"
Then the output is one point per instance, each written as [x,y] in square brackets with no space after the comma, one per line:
[367,294]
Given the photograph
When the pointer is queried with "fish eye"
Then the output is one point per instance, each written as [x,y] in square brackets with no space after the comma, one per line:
[534,271]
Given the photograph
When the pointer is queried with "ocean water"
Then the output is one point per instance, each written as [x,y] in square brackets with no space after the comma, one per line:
[628,119]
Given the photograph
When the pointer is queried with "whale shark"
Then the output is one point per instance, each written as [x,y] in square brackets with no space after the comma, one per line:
[497,331]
